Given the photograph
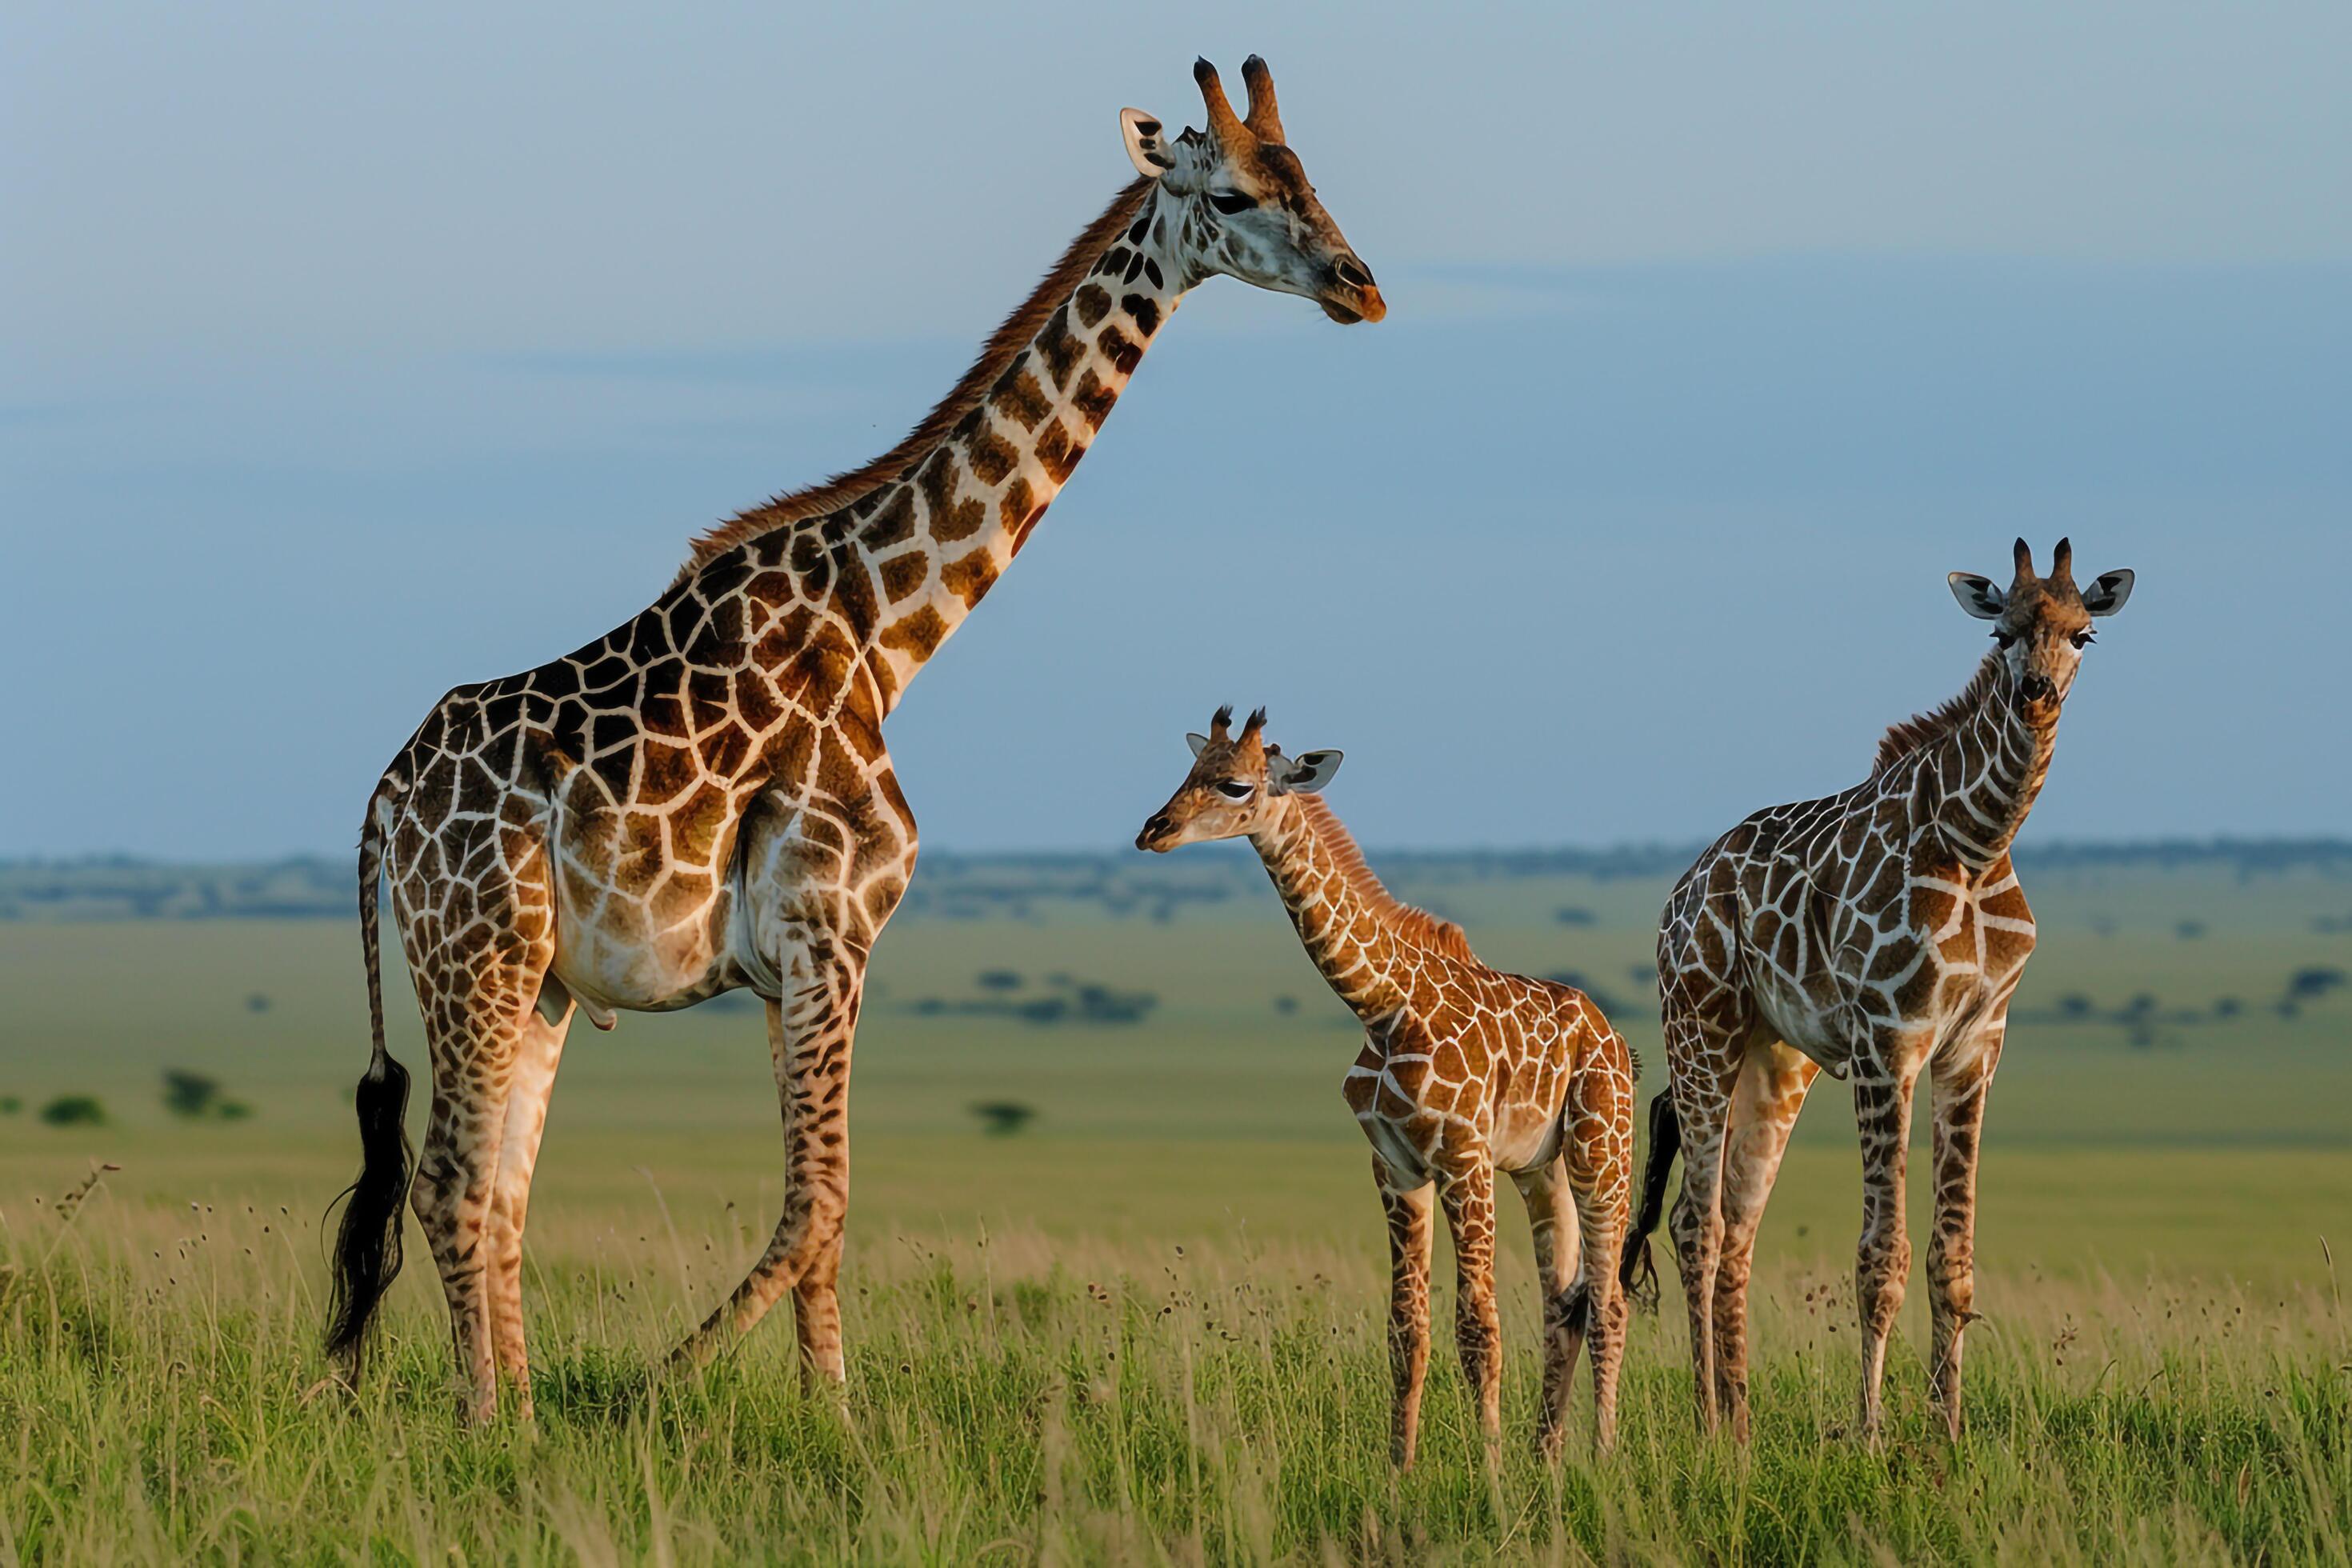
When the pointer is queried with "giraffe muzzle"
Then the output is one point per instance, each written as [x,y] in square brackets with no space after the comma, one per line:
[2037,689]
[1352,296]
[1154,835]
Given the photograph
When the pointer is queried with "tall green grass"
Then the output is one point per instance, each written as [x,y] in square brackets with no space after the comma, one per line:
[1015,1398]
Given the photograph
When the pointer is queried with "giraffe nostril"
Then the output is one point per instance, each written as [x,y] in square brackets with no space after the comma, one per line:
[1352,272]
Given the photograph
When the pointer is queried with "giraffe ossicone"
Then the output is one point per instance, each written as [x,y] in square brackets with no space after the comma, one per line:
[701,799]
[1878,932]
[1464,1071]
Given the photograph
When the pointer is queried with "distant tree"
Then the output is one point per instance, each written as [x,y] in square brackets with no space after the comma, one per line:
[189,1094]
[1000,980]
[2189,931]
[1286,1005]
[74,1111]
[10,1105]
[1003,1118]
[1574,915]
[259,1002]
[2075,1004]
[2227,1008]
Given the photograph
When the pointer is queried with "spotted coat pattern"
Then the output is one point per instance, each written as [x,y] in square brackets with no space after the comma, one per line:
[1464,1071]
[701,800]
[1879,934]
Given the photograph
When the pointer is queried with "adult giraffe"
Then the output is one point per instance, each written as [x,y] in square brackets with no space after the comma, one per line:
[1878,931]
[701,799]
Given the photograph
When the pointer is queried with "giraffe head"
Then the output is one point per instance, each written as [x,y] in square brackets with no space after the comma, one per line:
[1242,203]
[2043,623]
[1236,785]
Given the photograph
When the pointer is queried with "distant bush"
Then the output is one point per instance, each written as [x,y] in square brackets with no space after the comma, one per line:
[2310,985]
[1069,999]
[259,1002]
[195,1097]
[1574,915]
[1003,1118]
[2189,931]
[10,1105]
[1286,1005]
[74,1111]
[1000,980]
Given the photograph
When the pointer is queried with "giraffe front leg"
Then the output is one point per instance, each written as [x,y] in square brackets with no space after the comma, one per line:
[1469,1199]
[1410,1237]
[1558,1258]
[1962,1085]
[540,1050]
[810,1037]
[1883,1261]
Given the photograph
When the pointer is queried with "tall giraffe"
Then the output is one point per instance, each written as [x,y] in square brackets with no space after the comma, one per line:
[701,799]
[1465,1070]
[1877,931]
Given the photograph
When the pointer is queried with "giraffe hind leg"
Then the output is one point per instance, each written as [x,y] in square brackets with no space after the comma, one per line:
[1559,1256]
[1773,1082]
[540,1050]
[456,1176]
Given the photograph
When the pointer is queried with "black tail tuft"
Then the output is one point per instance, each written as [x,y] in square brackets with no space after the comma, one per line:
[1637,1271]
[367,1244]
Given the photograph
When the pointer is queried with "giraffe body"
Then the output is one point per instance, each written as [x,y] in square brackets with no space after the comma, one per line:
[701,800]
[1878,933]
[1465,1072]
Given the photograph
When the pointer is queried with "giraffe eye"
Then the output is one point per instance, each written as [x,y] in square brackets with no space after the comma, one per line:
[1230,202]
[2085,637]
[1235,789]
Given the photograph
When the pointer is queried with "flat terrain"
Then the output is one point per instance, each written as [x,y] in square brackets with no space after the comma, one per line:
[1149,1322]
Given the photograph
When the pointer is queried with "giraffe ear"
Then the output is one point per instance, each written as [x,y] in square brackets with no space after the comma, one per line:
[1977,596]
[1197,743]
[1309,772]
[2106,595]
[1147,143]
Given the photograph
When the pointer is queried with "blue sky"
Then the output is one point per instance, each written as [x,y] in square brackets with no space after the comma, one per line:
[346,358]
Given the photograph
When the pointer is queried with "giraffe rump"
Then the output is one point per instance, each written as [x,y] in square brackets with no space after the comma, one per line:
[995,357]
[1922,730]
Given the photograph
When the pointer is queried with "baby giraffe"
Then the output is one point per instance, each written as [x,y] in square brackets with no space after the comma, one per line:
[1464,1070]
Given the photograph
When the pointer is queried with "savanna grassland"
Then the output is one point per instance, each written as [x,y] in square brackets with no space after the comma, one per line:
[1117,1283]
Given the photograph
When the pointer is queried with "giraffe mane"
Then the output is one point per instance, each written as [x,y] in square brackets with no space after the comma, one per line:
[1922,730]
[1414,925]
[998,352]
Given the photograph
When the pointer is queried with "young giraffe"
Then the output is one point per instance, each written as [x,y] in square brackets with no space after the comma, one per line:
[1466,1070]
[701,799]
[1878,931]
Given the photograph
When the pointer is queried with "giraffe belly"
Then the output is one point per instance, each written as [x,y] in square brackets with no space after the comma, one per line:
[1526,1137]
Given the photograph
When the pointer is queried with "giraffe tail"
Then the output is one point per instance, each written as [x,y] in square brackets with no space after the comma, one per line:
[1637,1271]
[367,1243]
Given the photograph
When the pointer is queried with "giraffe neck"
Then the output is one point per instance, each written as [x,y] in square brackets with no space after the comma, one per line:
[1346,926]
[930,543]
[1982,777]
